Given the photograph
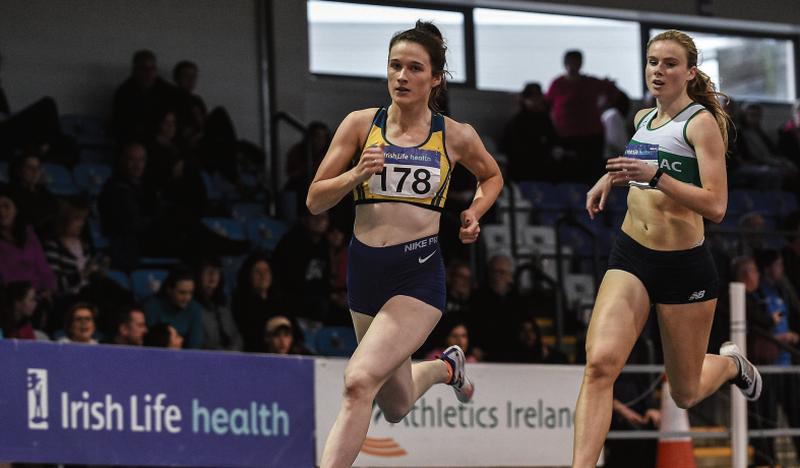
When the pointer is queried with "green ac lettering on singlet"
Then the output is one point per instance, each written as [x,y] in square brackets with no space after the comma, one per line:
[674,166]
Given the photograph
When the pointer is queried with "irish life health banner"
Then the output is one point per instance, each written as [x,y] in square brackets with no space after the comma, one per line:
[521,415]
[83,404]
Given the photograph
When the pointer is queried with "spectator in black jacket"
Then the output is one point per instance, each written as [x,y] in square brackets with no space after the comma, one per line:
[302,267]
[140,98]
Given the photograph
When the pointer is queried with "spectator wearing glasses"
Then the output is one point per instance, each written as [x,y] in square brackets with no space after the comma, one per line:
[79,324]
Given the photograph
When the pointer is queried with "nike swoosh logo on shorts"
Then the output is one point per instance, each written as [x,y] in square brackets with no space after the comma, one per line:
[425,259]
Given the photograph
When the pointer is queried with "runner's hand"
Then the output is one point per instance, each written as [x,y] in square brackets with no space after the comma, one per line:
[369,164]
[470,228]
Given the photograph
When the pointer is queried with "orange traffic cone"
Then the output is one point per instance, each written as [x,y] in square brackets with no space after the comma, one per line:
[674,452]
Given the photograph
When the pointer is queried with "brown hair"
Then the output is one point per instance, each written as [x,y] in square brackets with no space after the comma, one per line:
[69,211]
[700,89]
[428,36]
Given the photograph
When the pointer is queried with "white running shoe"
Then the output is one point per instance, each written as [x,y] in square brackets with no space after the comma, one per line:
[749,379]
[461,384]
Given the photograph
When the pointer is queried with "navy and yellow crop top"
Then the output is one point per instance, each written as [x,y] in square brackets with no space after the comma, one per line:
[419,175]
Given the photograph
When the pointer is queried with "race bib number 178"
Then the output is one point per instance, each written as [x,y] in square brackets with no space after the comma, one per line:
[407,172]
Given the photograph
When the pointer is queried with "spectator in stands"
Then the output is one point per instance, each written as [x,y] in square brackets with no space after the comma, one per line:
[67,252]
[162,150]
[220,328]
[451,331]
[574,100]
[615,126]
[17,312]
[36,126]
[789,136]
[191,109]
[21,253]
[636,407]
[753,226]
[163,335]
[791,252]
[302,267]
[130,326]
[529,139]
[254,300]
[758,153]
[172,174]
[339,313]
[459,289]
[140,98]
[36,205]
[494,332]
[79,324]
[174,305]
[279,337]
[311,149]
[128,208]
[529,347]
[781,300]
[458,306]
[782,308]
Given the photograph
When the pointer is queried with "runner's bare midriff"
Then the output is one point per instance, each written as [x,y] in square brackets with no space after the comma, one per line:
[659,223]
[382,224]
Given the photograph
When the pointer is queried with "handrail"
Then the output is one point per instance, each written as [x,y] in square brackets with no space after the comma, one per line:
[294,122]
[767,335]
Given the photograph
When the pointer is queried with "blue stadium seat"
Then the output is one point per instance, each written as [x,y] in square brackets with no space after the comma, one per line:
[336,341]
[99,241]
[786,202]
[742,201]
[230,269]
[120,277]
[88,130]
[212,190]
[265,233]
[573,195]
[145,283]
[543,195]
[97,155]
[226,227]
[246,211]
[58,179]
[91,177]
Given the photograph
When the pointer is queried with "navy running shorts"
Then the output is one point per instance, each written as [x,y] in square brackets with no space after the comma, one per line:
[376,274]
[670,276]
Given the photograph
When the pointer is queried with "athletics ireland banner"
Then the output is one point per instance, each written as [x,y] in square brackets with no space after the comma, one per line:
[84,404]
[521,415]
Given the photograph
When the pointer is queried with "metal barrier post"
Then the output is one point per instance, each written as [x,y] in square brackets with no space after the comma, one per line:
[738,403]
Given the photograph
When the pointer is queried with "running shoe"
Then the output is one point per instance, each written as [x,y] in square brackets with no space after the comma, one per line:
[461,384]
[749,379]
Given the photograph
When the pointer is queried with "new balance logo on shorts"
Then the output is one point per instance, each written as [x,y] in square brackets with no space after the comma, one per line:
[697,295]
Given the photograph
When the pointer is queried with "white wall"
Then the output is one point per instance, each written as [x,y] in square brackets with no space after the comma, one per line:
[79,51]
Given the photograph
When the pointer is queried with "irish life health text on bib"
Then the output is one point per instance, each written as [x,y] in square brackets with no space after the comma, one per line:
[645,152]
[407,172]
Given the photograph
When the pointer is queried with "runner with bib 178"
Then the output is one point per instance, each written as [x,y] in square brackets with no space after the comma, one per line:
[404,157]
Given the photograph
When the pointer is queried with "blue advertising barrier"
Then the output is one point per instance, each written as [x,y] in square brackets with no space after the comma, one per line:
[68,403]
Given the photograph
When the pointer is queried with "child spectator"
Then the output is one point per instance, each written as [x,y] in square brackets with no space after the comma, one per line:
[279,337]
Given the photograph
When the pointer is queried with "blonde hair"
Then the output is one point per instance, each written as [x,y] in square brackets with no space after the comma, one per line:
[700,89]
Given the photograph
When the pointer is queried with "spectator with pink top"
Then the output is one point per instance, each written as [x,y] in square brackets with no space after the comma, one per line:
[21,251]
